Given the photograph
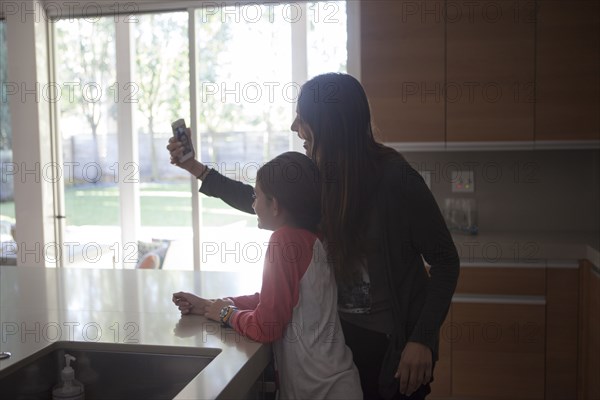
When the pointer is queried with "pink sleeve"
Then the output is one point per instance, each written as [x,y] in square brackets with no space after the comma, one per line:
[246,302]
[282,272]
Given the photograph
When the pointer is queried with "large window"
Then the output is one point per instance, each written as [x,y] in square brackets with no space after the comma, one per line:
[244,94]
[85,51]
[161,74]
[7,167]
[246,97]
[327,37]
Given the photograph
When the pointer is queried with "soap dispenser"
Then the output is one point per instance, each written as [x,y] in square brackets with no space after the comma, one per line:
[68,388]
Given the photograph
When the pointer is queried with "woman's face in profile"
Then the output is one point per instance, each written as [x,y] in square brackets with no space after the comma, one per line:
[304,132]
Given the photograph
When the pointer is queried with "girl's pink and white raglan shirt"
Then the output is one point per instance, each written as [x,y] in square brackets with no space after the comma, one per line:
[296,310]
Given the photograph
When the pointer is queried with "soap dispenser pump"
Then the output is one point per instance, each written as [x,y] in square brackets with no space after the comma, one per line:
[68,388]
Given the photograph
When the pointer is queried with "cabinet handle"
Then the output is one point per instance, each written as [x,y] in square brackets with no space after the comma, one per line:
[499,299]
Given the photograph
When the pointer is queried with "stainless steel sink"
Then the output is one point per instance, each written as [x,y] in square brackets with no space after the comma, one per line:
[107,370]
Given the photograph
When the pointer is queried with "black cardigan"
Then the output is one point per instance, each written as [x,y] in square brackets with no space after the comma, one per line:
[411,228]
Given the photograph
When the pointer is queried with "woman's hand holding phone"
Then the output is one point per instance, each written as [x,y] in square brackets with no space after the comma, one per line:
[182,151]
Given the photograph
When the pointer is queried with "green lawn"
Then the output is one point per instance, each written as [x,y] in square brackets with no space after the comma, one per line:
[161,205]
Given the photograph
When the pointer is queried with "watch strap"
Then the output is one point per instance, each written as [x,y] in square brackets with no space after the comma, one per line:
[227,314]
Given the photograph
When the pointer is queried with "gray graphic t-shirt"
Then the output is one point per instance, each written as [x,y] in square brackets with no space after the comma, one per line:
[355,298]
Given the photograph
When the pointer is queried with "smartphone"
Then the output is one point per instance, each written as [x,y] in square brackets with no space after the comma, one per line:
[180,133]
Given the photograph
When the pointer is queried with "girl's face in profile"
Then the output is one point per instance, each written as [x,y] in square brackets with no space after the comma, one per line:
[265,209]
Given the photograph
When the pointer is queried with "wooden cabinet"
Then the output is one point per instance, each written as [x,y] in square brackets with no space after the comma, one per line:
[482,71]
[490,71]
[497,280]
[402,52]
[498,320]
[588,382]
[499,352]
[567,70]
[521,331]
[562,288]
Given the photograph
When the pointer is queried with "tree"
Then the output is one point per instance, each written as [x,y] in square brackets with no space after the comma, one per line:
[327,25]
[86,56]
[217,65]
[162,54]
[214,114]
[161,64]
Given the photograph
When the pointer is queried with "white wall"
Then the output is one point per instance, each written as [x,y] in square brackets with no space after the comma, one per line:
[30,116]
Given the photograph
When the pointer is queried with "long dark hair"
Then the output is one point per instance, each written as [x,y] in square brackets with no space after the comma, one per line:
[293,179]
[336,109]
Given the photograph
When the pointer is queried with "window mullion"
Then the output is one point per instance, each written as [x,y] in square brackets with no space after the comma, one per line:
[57,157]
[196,199]
[299,63]
[129,172]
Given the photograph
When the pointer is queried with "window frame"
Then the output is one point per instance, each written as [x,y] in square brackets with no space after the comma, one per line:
[53,220]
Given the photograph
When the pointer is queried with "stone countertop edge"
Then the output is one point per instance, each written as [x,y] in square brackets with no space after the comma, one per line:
[523,249]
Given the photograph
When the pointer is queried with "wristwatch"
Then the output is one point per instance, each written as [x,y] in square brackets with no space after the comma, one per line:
[226,313]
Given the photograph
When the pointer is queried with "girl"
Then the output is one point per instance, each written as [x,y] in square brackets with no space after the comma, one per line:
[296,309]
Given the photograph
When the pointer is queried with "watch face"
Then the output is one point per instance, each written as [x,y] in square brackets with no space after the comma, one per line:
[224,311]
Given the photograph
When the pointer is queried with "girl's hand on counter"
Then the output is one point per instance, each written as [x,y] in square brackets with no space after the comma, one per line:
[213,309]
[189,303]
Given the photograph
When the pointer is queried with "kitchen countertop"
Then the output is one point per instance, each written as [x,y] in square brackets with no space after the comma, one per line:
[550,248]
[39,306]
[134,306]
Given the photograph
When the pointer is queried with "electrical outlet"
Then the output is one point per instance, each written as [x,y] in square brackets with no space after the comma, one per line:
[463,182]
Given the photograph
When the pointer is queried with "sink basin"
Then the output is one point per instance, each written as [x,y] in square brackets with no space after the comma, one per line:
[107,370]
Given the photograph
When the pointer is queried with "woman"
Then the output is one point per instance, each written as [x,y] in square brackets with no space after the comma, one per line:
[379,222]
[296,309]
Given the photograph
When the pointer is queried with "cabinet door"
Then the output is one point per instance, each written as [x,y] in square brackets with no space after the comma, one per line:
[490,279]
[589,332]
[490,70]
[562,296]
[567,78]
[498,350]
[402,62]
